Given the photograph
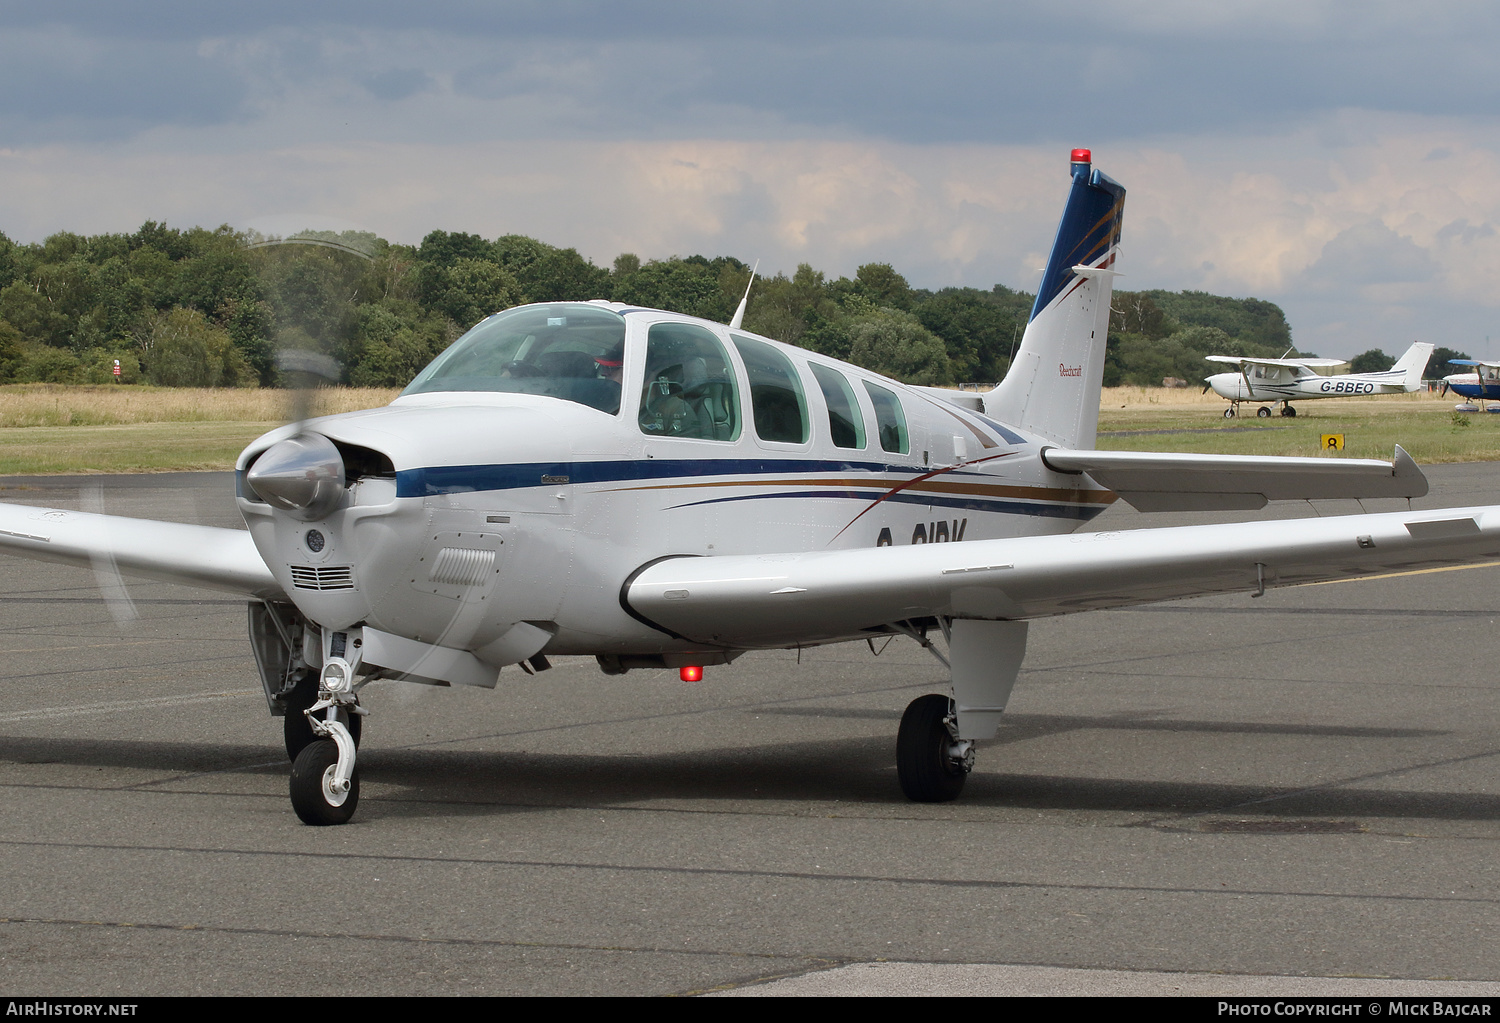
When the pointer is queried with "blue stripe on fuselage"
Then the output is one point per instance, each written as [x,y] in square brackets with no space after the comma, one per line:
[465,479]
[1005,507]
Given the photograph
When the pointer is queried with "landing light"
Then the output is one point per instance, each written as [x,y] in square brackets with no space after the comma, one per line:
[691,673]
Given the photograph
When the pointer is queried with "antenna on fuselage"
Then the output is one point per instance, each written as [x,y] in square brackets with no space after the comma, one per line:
[739,314]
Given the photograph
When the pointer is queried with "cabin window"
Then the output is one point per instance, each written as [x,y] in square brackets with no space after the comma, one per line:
[569,351]
[775,392]
[890,420]
[689,390]
[846,423]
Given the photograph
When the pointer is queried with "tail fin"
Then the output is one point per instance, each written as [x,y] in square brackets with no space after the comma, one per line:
[1052,388]
[1414,364]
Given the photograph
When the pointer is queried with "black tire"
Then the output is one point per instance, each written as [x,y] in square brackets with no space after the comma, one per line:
[312,803]
[1289,411]
[294,727]
[926,772]
[1263,412]
[1229,412]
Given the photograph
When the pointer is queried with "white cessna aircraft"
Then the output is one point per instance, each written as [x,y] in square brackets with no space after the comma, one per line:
[660,491]
[1273,380]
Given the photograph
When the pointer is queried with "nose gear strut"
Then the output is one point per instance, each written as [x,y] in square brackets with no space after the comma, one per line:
[325,781]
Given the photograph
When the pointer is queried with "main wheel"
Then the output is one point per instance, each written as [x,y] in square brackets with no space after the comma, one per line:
[928,773]
[1264,412]
[294,727]
[1287,410]
[1229,412]
[312,794]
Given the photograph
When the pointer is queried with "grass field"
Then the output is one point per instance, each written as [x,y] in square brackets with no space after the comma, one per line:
[49,429]
[1426,425]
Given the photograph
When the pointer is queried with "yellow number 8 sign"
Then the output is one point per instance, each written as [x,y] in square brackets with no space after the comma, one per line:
[1333,442]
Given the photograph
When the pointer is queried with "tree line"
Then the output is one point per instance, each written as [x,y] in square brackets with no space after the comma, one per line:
[207,308]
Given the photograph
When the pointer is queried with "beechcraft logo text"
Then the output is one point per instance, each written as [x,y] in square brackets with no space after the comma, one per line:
[1069,371]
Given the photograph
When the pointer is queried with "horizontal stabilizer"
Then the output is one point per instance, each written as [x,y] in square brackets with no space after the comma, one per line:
[1168,481]
[971,400]
[175,552]
[750,601]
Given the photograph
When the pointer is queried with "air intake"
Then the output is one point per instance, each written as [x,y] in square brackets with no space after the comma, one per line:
[461,566]
[331,577]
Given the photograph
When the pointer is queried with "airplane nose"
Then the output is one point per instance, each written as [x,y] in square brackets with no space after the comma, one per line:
[303,475]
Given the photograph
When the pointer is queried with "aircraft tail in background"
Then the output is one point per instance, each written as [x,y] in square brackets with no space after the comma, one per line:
[1414,363]
[1052,388]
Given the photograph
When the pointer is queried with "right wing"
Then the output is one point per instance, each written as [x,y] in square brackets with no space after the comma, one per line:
[759,601]
[207,556]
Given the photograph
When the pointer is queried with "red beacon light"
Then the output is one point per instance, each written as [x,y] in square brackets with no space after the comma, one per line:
[691,673]
[1082,156]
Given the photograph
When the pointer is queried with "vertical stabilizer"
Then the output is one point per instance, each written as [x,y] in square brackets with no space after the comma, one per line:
[1052,388]
[1414,364]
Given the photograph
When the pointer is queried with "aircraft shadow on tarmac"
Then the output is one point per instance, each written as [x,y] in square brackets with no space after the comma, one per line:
[428,782]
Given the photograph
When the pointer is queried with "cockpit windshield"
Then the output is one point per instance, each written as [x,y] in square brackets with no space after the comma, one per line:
[570,351]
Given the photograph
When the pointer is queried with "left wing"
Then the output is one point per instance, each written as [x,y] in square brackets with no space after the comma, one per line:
[1169,481]
[177,552]
[758,601]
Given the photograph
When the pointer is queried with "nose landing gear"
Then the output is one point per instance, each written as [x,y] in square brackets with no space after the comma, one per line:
[325,781]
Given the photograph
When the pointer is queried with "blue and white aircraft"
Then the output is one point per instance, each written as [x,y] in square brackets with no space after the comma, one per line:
[1482,385]
[659,491]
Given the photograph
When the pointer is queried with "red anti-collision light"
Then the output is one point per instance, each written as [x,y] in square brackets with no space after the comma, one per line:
[1082,156]
[692,673]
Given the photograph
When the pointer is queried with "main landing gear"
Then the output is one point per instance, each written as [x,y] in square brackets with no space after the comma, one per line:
[935,744]
[932,763]
[1264,412]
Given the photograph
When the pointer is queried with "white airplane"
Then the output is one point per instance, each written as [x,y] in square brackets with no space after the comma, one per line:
[1273,380]
[516,502]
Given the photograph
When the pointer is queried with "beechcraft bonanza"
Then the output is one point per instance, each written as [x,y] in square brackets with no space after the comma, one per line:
[1273,380]
[659,491]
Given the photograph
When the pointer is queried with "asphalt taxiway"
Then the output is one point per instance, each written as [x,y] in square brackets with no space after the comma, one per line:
[1206,796]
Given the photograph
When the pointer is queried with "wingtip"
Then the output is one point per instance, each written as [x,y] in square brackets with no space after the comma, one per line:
[1403,466]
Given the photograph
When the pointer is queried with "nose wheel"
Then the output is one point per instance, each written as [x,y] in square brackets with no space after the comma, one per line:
[325,783]
[321,793]
[932,763]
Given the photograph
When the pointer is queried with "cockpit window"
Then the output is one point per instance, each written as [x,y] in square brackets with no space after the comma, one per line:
[572,351]
[689,388]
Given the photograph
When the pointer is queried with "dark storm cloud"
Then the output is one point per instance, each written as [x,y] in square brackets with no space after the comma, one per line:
[933,72]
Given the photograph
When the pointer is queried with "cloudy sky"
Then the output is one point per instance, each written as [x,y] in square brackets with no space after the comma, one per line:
[1341,159]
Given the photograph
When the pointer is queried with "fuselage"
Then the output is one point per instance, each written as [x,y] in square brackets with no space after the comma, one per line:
[493,509]
[1269,387]
[1471,385]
